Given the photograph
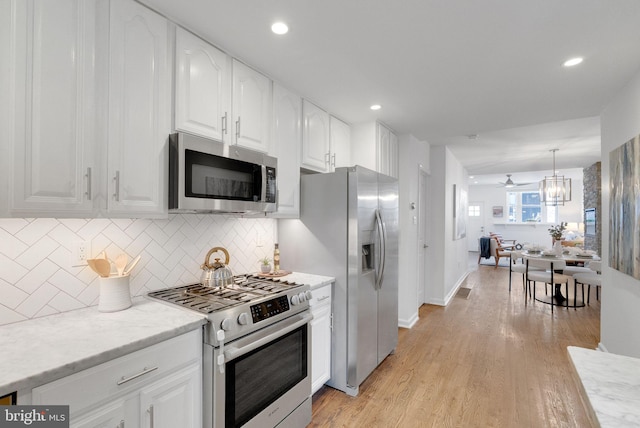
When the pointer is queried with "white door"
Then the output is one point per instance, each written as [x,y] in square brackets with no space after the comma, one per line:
[315,137]
[476,225]
[251,107]
[423,239]
[287,115]
[203,87]
[139,110]
[340,143]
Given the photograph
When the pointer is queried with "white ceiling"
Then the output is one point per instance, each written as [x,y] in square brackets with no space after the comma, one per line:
[444,69]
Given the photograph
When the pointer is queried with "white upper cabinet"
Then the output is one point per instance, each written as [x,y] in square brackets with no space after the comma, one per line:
[340,143]
[315,138]
[375,146]
[287,137]
[393,155]
[51,131]
[139,110]
[251,108]
[203,87]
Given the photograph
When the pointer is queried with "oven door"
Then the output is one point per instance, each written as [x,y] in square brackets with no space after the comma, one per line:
[265,379]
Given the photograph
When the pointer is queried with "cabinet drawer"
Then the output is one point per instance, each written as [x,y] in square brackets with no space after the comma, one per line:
[321,296]
[119,376]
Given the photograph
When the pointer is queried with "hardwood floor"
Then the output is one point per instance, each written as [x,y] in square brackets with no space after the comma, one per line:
[486,361]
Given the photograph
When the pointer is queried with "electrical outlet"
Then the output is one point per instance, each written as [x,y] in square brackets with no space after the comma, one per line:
[80,253]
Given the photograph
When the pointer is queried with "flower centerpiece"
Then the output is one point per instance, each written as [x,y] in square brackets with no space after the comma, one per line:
[557,231]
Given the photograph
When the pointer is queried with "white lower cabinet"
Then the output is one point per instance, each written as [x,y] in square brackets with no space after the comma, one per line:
[159,386]
[320,337]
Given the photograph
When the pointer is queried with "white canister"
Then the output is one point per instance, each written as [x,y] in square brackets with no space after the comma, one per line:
[114,294]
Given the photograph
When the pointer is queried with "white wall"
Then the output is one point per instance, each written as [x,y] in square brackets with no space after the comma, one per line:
[620,313]
[533,233]
[412,155]
[450,266]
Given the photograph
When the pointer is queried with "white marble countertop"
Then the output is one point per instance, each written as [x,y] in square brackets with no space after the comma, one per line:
[612,385]
[41,350]
[315,281]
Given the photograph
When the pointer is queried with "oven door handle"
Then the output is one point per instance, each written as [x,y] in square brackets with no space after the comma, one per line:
[269,334]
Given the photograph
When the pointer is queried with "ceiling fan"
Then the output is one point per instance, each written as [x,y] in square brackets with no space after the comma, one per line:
[510,183]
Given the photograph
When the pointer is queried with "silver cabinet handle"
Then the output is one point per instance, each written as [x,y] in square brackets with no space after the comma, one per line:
[150,410]
[237,129]
[135,376]
[327,158]
[121,424]
[333,160]
[88,192]
[322,298]
[116,193]
[224,123]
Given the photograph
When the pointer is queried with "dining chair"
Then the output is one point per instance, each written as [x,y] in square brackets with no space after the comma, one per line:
[518,267]
[592,278]
[549,272]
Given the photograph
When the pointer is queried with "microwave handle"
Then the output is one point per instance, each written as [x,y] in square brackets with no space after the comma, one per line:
[263,191]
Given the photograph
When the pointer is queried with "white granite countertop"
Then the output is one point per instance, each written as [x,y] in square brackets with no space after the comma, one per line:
[612,385]
[41,350]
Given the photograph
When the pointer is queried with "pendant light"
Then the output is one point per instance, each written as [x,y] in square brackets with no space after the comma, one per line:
[555,190]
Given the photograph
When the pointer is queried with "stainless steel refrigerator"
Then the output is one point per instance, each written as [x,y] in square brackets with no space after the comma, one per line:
[348,229]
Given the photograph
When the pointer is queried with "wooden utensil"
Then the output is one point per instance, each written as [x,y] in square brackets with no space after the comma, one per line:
[121,263]
[132,265]
[101,266]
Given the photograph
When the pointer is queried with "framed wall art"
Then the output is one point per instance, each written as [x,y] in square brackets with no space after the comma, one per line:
[624,208]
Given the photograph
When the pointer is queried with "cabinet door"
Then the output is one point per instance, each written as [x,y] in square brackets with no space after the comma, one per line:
[139,110]
[174,401]
[287,138]
[53,127]
[321,346]
[203,87]
[111,415]
[315,138]
[383,149]
[393,155]
[340,143]
[251,108]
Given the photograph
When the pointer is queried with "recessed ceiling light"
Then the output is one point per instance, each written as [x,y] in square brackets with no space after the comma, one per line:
[573,61]
[471,176]
[280,28]
[375,107]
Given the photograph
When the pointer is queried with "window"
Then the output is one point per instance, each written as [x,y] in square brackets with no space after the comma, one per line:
[525,207]
[474,210]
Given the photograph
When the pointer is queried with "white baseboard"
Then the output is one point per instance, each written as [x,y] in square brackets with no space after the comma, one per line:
[410,322]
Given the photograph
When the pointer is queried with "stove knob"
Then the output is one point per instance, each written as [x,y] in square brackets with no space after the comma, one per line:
[243,318]
[226,324]
[295,300]
[302,297]
[308,294]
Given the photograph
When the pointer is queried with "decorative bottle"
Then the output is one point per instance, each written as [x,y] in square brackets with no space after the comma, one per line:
[276,259]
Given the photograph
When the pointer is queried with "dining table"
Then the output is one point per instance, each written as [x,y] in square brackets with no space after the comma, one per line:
[557,298]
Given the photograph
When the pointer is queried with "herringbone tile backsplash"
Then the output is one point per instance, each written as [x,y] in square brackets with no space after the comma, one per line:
[37,277]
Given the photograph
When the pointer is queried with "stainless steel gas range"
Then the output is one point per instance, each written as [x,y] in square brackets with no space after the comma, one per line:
[257,350]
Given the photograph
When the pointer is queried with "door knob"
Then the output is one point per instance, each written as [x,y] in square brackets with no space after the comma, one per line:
[425,246]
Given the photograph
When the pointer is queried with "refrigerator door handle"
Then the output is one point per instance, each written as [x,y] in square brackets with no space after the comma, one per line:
[382,232]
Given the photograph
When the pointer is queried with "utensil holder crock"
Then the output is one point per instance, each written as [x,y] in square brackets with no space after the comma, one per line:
[114,294]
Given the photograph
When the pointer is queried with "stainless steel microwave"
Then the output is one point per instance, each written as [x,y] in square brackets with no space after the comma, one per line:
[210,176]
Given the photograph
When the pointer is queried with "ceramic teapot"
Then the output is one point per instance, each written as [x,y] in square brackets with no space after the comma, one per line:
[216,274]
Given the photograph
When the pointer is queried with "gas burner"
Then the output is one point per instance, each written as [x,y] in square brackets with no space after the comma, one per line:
[207,300]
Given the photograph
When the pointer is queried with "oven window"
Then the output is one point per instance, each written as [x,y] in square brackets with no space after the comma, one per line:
[216,177]
[257,379]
